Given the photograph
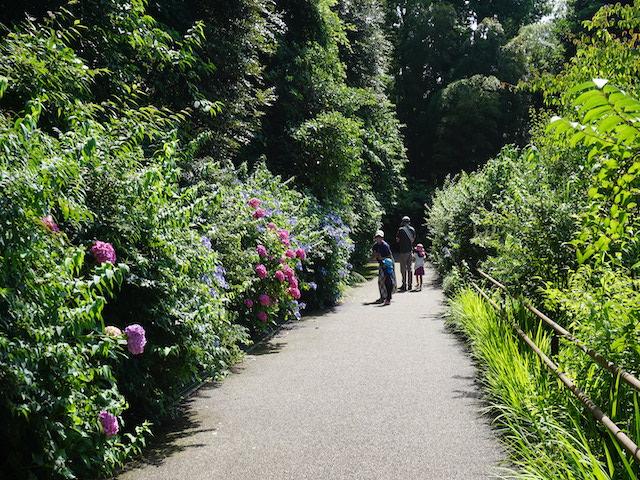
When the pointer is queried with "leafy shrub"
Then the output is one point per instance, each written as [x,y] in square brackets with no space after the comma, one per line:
[450,218]
[263,210]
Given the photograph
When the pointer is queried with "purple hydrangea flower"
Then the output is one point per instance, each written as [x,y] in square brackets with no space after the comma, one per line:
[262,316]
[249,303]
[219,275]
[136,339]
[262,250]
[261,271]
[206,242]
[265,300]
[313,285]
[103,252]
[109,423]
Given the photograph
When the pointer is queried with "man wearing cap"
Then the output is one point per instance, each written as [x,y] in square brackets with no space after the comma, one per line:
[405,237]
[381,250]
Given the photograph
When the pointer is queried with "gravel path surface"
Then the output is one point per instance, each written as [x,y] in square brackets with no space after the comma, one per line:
[362,392]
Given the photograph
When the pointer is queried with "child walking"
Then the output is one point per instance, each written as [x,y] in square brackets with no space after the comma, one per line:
[389,275]
[418,260]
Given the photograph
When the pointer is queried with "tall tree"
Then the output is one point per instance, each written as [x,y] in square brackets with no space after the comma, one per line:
[439,43]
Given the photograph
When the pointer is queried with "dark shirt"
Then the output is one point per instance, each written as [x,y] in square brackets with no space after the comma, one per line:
[405,243]
[382,249]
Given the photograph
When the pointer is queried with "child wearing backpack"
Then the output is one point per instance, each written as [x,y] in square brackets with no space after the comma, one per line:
[387,269]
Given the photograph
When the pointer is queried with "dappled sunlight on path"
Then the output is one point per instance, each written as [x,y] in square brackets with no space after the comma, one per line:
[362,392]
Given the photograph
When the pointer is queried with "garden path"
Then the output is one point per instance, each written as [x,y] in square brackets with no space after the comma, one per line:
[361,392]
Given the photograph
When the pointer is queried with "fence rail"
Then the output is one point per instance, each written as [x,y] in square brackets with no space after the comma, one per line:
[615,431]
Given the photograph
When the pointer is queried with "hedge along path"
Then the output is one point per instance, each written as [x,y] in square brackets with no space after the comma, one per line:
[361,392]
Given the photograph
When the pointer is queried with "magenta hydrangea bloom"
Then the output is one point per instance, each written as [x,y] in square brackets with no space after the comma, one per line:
[280,276]
[288,271]
[109,423]
[112,331]
[283,235]
[290,253]
[262,250]
[136,339]
[272,226]
[265,300]
[294,292]
[261,271]
[293,282]
[254,202]
[259,213]
[301,254]
[50,224]
[262,316]
[249,303]
[103,252]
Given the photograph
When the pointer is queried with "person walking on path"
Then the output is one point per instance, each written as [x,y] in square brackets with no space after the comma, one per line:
[418,262]
[405,237]
[389,275]
[382,251]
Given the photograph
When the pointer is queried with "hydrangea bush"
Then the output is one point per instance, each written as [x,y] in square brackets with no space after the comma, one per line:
[290,256]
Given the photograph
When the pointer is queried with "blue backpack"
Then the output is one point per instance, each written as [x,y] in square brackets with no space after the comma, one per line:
[387,266]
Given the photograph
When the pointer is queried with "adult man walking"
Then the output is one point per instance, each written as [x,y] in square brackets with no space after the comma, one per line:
[405,237]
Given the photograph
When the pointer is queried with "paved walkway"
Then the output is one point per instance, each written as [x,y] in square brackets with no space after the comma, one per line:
[363,392]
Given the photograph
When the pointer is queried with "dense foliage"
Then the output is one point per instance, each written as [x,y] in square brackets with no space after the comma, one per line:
[145,240]
[558,222]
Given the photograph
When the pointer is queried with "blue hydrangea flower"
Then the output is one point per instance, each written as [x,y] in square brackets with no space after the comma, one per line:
[219,275]
[206,242]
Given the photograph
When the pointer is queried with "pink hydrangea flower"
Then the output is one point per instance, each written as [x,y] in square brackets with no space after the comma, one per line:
[112,331]
[280,275]
[103,252]
[283,235]
[262,316]
[249,303]
[265,300]
[301,254]
[272,226]
[262,250]
[261,271]
[293,282]
[50,224]
[254,202]
[290,253]
[259,213]
[288,271]
[294,292]
[109,423]
[136,339]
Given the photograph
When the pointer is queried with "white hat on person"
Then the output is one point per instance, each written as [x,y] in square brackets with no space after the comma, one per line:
[379,233]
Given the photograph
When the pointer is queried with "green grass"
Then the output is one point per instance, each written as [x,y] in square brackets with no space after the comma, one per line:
[546,432]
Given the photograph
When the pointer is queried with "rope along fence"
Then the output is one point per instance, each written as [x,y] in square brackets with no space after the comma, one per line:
[615,431]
